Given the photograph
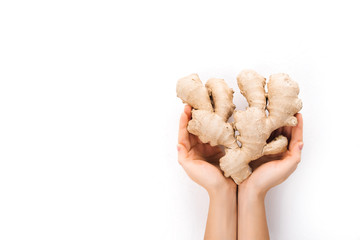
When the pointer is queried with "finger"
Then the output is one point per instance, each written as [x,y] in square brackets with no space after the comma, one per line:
[183,137]
[187,111]
[182,154]
[192,138]
[297,132]
[289,164]
[296,152]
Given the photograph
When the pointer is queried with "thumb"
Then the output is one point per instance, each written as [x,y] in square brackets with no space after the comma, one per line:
[296,151]
[182,153]
[290,163]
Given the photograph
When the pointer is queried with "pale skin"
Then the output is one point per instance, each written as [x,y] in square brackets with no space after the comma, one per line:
[237,212]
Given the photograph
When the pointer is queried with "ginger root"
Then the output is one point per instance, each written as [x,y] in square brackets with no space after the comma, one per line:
[212,106]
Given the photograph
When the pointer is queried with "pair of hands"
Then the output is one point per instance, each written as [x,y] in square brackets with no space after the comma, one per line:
[201,161]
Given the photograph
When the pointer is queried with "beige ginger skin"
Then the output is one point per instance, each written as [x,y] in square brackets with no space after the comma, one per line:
[212,106]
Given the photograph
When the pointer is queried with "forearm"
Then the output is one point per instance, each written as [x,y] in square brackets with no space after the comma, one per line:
[222,216]
[252,223]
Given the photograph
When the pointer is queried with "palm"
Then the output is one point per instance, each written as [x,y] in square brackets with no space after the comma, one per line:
[271,170]
[207,158]
[202,159]
[204,151]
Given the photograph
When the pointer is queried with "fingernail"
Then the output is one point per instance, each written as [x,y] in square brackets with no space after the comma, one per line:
[301,145]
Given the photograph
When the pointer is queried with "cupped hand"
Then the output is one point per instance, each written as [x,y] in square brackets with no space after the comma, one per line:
[200,160]
[271,170]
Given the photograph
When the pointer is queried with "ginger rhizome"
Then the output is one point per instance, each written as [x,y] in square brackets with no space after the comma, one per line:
[213,105]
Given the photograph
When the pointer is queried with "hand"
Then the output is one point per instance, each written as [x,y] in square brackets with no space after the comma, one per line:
[199,160]
[271,170]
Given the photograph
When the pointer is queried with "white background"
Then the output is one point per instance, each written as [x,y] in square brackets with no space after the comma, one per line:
[89,114]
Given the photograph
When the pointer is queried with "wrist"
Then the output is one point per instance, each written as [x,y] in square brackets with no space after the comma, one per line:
[225,192]
[222,216]
[249,191]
